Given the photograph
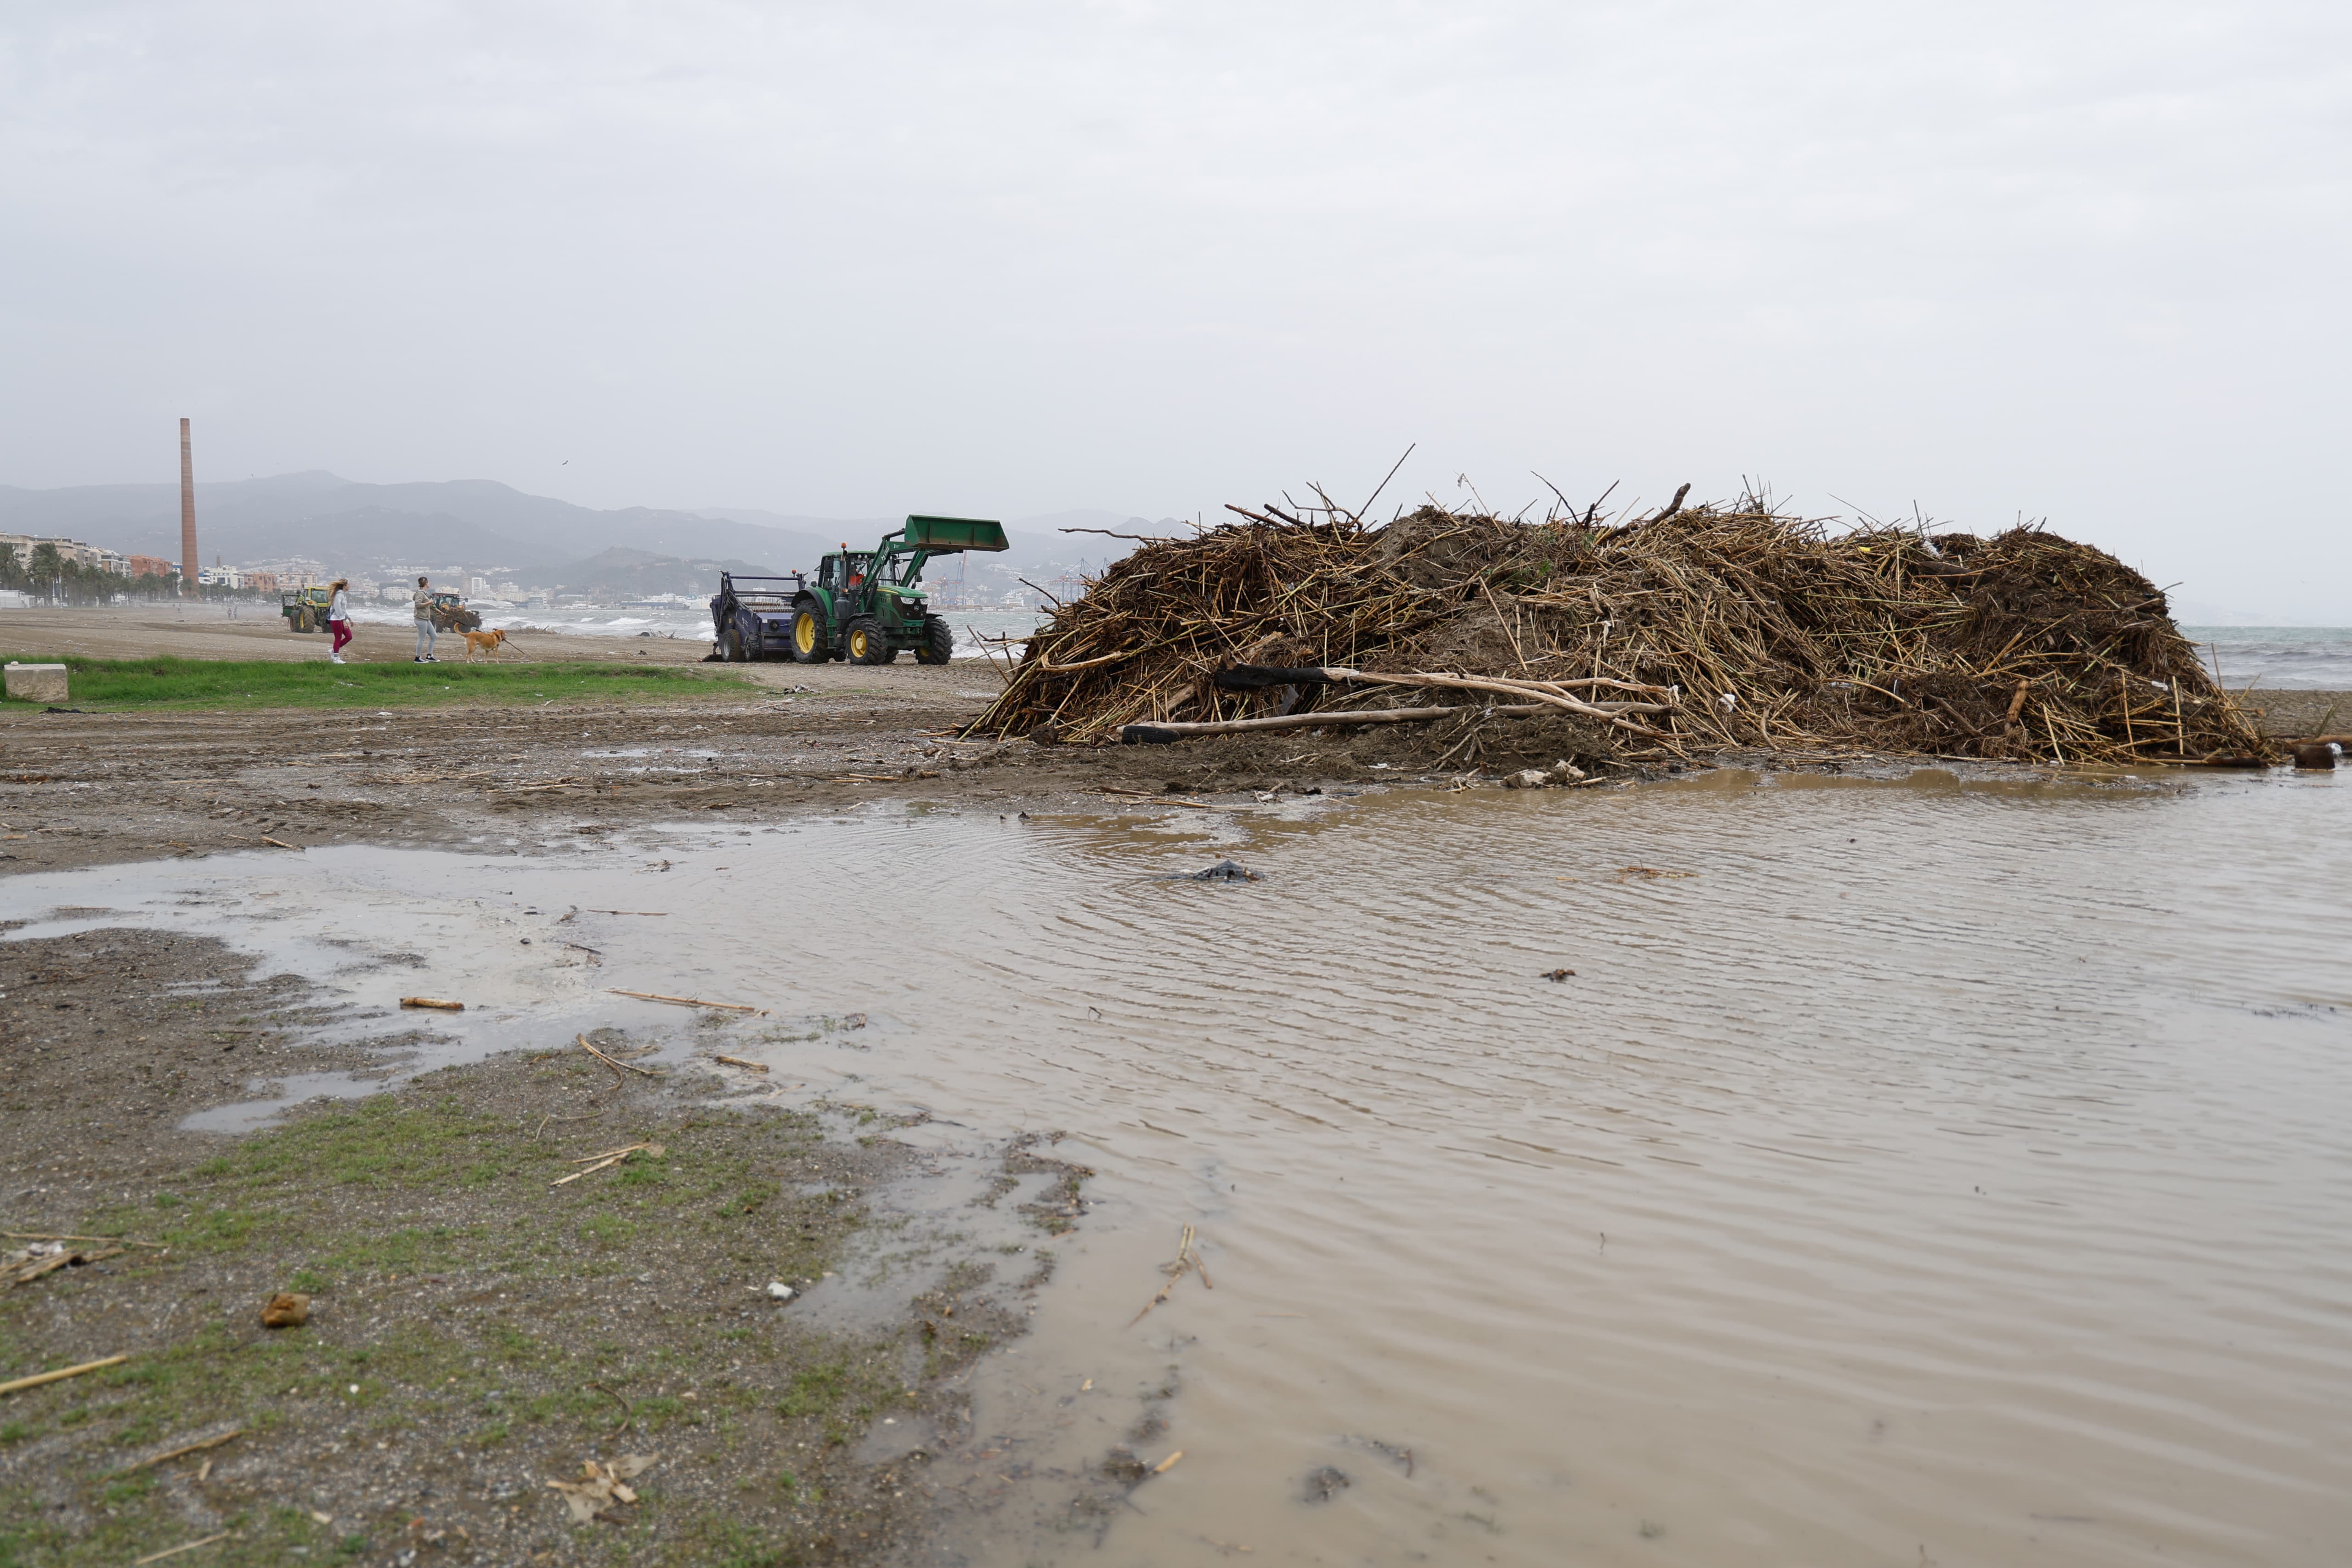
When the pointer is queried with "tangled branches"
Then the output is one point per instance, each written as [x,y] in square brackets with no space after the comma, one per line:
[1766,630]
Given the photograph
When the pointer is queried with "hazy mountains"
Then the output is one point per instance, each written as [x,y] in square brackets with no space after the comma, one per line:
[481,525]
[623,574]
[474,523]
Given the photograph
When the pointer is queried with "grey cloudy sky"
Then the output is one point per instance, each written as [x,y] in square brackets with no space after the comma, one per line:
[2082,261]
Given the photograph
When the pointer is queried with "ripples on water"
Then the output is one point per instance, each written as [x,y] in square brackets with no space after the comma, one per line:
[1907,1174]
[1971,1167]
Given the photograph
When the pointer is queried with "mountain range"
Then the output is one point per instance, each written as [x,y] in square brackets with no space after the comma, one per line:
[480,525]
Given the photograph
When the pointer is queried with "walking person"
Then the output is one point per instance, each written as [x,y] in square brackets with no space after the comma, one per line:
[339,617]
[425,631]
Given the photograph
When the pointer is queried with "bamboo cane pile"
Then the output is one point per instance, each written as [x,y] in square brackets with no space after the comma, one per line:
[1686,632]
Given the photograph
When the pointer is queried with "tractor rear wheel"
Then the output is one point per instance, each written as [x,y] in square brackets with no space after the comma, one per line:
[808,638]
[867,643]
[303,622]
[938,641]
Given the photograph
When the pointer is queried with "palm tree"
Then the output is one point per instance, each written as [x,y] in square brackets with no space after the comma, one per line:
[48,567]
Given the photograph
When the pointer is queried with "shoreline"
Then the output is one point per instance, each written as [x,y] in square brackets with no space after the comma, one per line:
[92,788]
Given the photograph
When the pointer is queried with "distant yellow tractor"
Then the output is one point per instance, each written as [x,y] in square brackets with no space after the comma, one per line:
[305,609]
[450,615]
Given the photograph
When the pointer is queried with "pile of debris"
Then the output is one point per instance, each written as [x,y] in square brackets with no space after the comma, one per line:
[1683,632]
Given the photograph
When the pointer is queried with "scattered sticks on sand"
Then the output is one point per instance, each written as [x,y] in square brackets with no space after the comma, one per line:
[1186,1261]
[684,1001]
[60,1375]
[591,1163]
[618,1065]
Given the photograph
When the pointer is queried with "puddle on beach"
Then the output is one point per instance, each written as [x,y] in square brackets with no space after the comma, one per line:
[1904,1174]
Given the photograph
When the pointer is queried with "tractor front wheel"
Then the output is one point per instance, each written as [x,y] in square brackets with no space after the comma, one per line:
[808,638]
[303,622]
[868,645]
[938,641]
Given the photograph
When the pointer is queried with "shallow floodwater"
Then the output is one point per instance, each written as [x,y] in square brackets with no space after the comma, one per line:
[1906,1174]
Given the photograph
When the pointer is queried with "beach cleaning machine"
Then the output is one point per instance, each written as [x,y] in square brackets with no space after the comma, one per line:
[863,606]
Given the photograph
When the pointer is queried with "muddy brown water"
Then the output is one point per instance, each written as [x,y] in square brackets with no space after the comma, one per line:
[1906,1174]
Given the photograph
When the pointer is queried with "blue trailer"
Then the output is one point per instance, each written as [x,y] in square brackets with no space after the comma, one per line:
[752,617]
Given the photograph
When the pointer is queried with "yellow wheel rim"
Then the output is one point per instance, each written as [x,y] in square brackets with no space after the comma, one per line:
[857,642]
[804,633]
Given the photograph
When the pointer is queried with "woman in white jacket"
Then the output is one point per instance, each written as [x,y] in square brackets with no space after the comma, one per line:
[339,617]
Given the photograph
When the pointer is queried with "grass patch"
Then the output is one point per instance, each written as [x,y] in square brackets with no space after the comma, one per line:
[207,683]
[465,1308]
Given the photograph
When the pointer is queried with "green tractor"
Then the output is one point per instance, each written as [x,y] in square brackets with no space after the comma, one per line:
[867,605]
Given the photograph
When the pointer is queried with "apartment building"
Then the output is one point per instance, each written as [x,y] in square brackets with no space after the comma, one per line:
[73,550]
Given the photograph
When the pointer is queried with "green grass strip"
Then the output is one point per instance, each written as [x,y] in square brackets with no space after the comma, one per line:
[107,684]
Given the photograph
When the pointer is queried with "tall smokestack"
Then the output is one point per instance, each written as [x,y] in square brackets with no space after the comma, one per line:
[188,568]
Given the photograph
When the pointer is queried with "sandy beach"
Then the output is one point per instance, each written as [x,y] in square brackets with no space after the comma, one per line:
[254,631]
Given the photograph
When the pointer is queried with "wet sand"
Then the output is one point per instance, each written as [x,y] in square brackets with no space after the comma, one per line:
[89,788]
[450,1364]
[2302,712]
[474,1327]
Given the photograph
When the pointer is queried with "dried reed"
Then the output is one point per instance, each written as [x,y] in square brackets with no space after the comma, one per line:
[1769,630]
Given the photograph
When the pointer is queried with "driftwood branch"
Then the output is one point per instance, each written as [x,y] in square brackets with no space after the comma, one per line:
[61,1374]
[1109,533]
[1257,677]
[1384,482]
[686,1001]
[1150,734]
[1526,690]
[198,1446]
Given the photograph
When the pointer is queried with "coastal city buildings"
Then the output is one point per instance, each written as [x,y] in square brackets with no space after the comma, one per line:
[89,557]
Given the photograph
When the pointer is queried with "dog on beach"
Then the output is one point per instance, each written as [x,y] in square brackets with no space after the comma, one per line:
[486,643]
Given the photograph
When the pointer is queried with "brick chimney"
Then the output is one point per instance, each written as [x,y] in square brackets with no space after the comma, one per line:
[188,569]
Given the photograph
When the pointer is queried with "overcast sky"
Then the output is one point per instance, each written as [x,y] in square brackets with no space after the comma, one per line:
[2085,262]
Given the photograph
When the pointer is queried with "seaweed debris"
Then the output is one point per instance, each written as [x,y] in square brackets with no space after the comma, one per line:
[1687,632]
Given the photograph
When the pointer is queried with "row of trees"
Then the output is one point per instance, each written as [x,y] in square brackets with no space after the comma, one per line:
[47,574]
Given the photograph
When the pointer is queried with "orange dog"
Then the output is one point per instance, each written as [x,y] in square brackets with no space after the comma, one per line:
[486,643]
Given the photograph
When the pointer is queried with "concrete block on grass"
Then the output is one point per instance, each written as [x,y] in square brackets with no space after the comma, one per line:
[36,682]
